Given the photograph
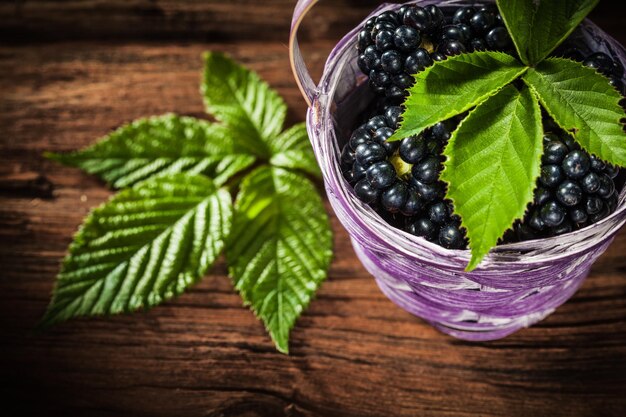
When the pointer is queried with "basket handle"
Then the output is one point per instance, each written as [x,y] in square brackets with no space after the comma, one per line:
[298,66]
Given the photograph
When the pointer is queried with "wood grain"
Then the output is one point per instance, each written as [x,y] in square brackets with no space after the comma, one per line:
[353,353]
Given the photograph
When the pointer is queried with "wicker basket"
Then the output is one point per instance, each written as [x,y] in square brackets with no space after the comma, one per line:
[515,286]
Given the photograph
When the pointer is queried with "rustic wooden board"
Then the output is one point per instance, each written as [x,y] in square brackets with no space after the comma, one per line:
[353,353]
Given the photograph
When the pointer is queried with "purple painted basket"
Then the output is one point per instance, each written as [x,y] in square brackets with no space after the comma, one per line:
[516,285]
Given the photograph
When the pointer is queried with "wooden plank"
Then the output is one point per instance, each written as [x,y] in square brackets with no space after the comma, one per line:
[353,353]
[212,20]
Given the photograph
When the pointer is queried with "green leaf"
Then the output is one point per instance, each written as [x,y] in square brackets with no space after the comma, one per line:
[518,16]
[239,98]
[453,86]
[280,247]
[538,30]
[145,245]
[292,149]
[554,22]
[493,161]
[582,102]
[158,146]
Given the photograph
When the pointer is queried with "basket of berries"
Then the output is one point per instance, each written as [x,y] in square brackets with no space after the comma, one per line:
[472,152]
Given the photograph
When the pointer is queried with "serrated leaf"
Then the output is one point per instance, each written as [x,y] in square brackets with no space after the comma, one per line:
[538,29]
[292,149]
[518,16]
[145,245]
[239,98]
[583,103]
[161,145]
[453,86]
[493,161]
[280,247]
[554,22]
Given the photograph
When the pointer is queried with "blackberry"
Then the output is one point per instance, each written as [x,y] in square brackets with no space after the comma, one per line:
[575,189]
[395,45]
[400,180]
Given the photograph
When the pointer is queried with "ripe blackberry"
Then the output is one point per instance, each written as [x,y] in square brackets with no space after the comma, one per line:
[395,45]
[400,180]
[575,189]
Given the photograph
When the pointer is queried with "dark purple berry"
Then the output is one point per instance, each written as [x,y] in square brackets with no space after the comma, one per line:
[402,81]
[571,144]
[413,204]
[477,44]
[379,78]
[453,33]
[565,227]
[364,40]
[578,215]
[569,193]
[463,15]
[451,237]
[388,16]
[376,123]
[406,38]
[611,171]
[436,17]
[536,222]
[347,156]
[391,61]
[381,175]
[451,48]
[394,197]
[412,149]
[590,183]
[393,114]
[542,195]
[597,164]
[366,193]
[417,61]
[358,137]
[607,186]
[427,192]
[438,56]
[551,175]
[576,164]
[371,57]
[440,131]
[482,22]
[418,18]
[423,227]
[369,153]
[552,214]
[593,205]
[427,170]
[381,135]
[554,152]
[394,92]
[438,213]
[358,172]
[384,40]
[498,39]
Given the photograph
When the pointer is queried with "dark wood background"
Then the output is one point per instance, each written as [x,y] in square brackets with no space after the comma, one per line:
[70,71]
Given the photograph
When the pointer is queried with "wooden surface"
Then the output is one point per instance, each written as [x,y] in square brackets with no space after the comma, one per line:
[353,353]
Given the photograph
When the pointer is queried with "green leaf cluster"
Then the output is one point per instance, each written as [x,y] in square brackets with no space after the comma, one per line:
[493,157]
[164,231]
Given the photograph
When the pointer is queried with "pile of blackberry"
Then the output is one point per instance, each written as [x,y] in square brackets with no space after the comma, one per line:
[400,180]
[395,45]
[574,190]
